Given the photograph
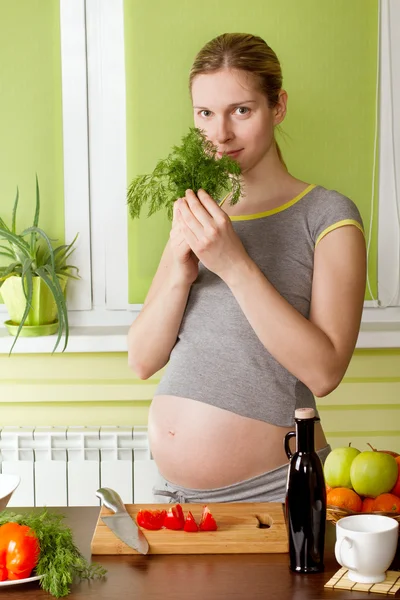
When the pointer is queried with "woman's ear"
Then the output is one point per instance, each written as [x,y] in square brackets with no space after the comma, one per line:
[280,107]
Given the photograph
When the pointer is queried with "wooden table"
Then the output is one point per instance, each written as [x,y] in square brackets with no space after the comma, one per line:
[194,577]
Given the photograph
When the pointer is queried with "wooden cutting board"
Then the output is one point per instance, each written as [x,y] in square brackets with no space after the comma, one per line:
[243,528]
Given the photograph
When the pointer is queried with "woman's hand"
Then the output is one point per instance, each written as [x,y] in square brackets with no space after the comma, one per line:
[185,261]
[208,231]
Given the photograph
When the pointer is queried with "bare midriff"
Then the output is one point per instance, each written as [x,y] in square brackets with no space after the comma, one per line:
[197,445]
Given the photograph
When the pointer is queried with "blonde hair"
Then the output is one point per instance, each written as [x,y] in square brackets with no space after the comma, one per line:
[245,52]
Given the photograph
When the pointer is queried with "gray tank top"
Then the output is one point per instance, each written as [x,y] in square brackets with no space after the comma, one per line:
[217,358]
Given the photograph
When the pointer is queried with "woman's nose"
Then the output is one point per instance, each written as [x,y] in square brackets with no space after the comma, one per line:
[224,132]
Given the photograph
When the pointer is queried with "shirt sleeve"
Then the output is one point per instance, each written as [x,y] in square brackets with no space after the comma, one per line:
[333,210]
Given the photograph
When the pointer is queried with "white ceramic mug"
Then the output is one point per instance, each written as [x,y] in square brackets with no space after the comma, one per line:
[366,545]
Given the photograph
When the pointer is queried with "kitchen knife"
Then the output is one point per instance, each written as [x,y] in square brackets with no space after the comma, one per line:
[122,524]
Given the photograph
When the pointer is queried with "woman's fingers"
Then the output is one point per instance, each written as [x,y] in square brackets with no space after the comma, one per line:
[186,228]
[176,236]
[212,208]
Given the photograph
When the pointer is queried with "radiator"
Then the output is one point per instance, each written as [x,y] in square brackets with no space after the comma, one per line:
[64,466]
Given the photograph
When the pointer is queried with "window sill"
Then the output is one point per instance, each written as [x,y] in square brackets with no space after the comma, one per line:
[81,339]
[384,333]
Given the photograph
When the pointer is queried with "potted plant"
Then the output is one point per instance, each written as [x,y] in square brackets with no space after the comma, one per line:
[33,284]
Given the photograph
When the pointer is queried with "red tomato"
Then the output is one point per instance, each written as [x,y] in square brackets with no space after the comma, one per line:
[3,568]
[207,522]
[190,524]
[19,551]
[151,519]
[174,518]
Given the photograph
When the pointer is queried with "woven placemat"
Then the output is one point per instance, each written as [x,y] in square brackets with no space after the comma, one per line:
[340,581]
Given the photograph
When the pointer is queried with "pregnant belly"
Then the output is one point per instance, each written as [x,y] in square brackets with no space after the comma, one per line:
[200,446]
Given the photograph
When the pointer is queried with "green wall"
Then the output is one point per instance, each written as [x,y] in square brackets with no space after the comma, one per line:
[31,112]
[99,389]
[328,52]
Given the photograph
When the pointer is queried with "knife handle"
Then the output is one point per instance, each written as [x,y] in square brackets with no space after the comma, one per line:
[111,500]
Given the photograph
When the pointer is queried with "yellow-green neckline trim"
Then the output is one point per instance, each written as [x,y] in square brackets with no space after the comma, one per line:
[273,211]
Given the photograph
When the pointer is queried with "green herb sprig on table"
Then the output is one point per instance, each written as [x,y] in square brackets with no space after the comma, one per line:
[193,165]
[60,561]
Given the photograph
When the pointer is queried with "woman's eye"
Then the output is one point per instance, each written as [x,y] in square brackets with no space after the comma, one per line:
[205,113]
[242,110]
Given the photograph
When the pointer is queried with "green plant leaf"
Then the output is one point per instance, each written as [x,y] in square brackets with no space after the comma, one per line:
[66,272]
[28,306]
[61,254]
[6,248]
[14,213]
[41,233]
[53,284]
[16,240]
[37,208]
[9,270]
[3,225]
[27,279]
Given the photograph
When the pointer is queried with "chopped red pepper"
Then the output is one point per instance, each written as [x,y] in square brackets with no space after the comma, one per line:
[19,551]
[190,524]
[174,519]
[151,519]
[207,522]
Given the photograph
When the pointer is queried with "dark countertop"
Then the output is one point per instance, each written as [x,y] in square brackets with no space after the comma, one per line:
[192,577]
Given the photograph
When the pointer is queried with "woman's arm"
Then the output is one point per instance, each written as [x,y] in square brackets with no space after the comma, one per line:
[317,351]
[154,332]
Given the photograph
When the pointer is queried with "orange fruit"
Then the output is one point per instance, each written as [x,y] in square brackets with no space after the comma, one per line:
[396,488]
[387,503]
[328,489]
[367,505]
[344,498]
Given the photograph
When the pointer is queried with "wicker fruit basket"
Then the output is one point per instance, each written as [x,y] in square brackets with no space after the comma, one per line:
[335,513]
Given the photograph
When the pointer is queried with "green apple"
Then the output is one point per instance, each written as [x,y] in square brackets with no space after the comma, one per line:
[337,466]
[373,473]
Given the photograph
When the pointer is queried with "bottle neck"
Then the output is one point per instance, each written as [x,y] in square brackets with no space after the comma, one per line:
[305,435]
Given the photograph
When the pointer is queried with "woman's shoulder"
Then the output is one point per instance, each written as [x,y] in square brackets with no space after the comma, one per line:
[323,199]
[328,208]
[323,195]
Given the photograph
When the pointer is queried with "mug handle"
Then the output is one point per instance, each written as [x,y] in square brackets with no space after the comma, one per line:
[338,552]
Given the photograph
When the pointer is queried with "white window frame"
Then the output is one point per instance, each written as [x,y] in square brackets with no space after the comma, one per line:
[94,121]
[94,150]
[382,316]
[95,179]
[107,127]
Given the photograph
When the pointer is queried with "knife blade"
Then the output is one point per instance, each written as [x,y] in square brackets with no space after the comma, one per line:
[122,524]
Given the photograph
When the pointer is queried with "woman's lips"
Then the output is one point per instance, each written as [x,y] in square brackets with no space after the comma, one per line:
[231,153]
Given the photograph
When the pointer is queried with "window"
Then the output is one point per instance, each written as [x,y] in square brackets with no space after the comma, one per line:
[95,174]
[93,81]
[386,308]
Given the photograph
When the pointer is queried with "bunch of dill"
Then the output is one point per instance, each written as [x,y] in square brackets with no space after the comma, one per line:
[60,561]
[193,165]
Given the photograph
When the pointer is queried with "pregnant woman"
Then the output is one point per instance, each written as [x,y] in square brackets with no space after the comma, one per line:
[255,308]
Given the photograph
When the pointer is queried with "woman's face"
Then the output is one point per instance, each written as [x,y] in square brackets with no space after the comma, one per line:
[235,115]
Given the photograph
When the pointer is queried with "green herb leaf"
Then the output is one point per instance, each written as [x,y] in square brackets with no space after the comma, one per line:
[193,165]
[60,561]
